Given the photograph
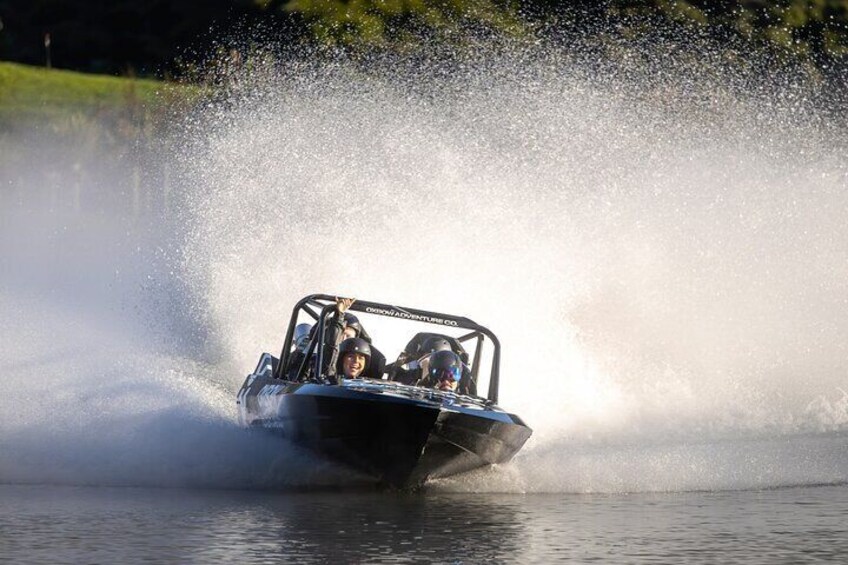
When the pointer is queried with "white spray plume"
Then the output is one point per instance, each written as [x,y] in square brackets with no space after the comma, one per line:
[660,245]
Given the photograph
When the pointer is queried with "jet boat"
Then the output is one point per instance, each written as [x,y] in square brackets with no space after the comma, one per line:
[399,434]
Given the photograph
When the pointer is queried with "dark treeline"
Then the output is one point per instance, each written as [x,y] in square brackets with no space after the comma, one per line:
[159,37]
[150,38]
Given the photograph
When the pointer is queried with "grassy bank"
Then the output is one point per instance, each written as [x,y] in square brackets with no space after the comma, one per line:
[40,94]
[63,132]
[72,108]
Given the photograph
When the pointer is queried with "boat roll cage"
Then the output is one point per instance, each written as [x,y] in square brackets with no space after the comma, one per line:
[320,306]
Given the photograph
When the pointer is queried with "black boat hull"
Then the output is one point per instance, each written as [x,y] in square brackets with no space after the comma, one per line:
[399,435]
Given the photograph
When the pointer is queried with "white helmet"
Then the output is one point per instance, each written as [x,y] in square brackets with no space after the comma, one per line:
[301,335]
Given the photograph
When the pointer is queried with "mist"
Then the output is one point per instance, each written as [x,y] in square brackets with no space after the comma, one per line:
[659,241]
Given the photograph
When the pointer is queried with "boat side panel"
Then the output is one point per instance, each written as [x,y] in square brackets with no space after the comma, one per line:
[399,440]
[384,439]
[460,443]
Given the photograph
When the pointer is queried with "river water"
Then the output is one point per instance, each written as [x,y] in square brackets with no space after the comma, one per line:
[50,524]
[660,243]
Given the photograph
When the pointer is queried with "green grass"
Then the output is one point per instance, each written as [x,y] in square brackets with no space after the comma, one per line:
[36,93]
[87,115]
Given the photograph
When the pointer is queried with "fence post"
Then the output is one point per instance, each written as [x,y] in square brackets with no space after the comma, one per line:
[47,49]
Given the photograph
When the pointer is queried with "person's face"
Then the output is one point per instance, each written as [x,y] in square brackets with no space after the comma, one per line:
[349,332]
[353,364]
[448,385]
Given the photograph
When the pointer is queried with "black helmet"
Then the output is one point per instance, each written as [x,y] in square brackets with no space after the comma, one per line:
[445,365]
[351,321]
[435,343]
[355,345]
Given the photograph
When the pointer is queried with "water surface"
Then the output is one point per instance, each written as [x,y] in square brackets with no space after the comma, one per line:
[129,525]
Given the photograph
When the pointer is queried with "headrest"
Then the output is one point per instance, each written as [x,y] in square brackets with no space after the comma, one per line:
[377,366]
[413,348]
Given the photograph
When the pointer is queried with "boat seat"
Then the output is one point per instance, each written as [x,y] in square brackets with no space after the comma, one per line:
[377,365]
[413,348]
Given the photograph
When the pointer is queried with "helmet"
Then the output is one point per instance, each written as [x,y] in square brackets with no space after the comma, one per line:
[351,321]
[445,365]
[435,343]
[301,335]
[355,345]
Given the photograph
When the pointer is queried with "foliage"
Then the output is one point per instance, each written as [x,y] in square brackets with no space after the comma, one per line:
[805,27]
[152,38]
[377,22]
[818,28]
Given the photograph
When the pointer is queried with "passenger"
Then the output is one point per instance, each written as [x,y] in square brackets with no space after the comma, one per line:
[411,372]
[344,325]
[301,337]
[445,371]
[302,333]
[352,328]
[355,356]
[341,327]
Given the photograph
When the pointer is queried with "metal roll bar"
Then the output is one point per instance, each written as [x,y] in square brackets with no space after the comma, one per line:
[325,304]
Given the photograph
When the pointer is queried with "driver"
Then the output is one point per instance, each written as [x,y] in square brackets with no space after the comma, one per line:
[411,372]
[445,372]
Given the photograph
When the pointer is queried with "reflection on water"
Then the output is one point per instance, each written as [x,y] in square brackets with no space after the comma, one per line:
[107,525]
